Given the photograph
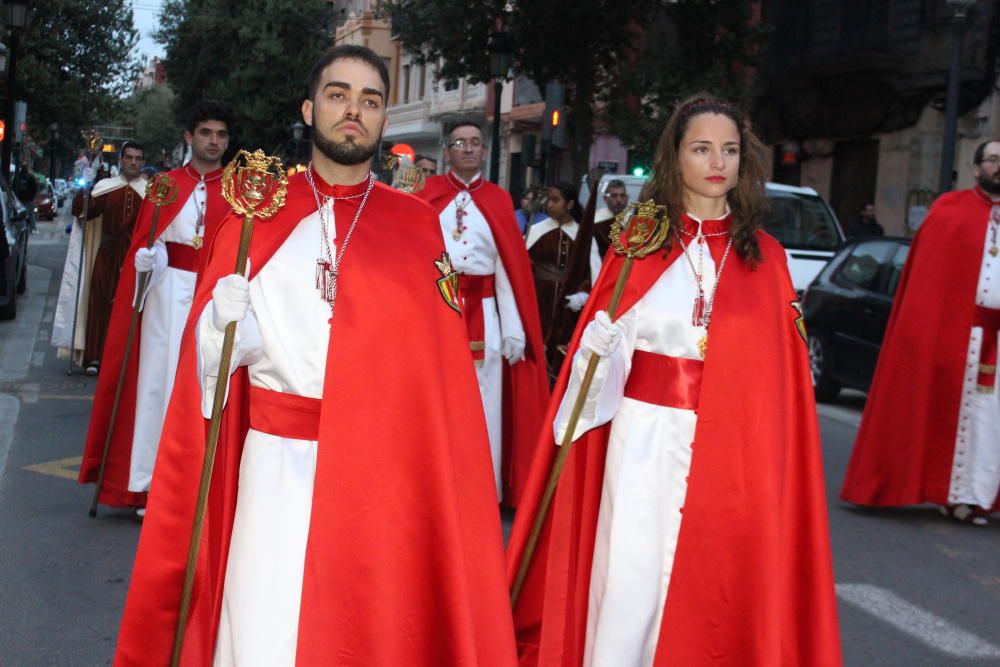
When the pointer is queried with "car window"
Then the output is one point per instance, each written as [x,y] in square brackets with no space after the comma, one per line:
[896,269]
[864,265]
[801,221]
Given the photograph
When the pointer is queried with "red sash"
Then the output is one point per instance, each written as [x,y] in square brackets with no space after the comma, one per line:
[671,382]
[284,415]
[472,290]
[989,320]
[182,256]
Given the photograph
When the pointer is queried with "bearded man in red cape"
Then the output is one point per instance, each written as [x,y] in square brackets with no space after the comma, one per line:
[173,263]
[689,524]
[931,427]
[351,519]
[498,297]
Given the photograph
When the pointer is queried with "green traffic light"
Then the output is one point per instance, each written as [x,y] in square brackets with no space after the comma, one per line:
[639,171]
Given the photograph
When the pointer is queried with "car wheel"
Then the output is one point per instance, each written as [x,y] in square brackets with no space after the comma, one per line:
[825,388]
[22,279]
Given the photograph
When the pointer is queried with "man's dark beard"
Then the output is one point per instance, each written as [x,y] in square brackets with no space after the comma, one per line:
[347,152]
[989,183]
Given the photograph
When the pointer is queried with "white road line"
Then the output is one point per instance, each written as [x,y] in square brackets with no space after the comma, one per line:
[911,620]
[847,416]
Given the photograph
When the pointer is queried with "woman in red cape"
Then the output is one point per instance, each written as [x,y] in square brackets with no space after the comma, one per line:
[689,524]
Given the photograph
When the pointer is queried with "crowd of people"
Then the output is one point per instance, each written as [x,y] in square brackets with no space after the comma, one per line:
[403,363]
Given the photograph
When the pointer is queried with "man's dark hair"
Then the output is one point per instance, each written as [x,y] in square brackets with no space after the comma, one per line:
[453,125]
[420,157]
[134,145]
[348,51]
[977,157]
[615,183]
[209,110]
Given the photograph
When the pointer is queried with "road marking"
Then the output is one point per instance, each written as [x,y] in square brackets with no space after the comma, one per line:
[9,407]
[849,416]
[64,468]
[63,397]
[922,625]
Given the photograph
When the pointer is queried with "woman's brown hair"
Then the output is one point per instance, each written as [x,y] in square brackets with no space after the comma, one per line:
[747,200]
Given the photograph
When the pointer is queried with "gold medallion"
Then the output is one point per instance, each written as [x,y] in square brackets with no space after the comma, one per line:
[994,250]
[703,345]
[197,242]
[457,234]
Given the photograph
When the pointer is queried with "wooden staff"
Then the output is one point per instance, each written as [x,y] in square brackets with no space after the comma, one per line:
[645,229]
[93,140]
[255,185]
[162,191]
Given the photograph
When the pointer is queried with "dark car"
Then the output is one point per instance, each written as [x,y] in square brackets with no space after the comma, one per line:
[45,203]
[846,309]
[13,251]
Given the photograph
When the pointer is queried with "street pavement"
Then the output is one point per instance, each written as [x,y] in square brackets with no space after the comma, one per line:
[915,589]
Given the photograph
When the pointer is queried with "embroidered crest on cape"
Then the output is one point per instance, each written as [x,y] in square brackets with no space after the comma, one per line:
[800,321]
[448,282]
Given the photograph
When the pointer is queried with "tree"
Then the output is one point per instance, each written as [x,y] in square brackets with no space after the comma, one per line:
[607,52]
[254,54]
[156,127]
[75,65]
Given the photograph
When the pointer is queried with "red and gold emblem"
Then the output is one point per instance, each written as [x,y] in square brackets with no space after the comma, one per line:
[800,321]
[448,282]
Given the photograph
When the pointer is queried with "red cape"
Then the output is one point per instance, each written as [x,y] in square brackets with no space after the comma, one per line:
[404,563]
[905,445]
[114,489]
[753,581]
[525,384]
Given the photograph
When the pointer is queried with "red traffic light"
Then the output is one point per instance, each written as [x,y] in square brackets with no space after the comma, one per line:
[555,118]
[3,130]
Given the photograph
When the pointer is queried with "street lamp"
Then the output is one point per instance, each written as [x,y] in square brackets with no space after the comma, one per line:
[959,21]
[298,131]
[15,15]
[53,138]
[500,51]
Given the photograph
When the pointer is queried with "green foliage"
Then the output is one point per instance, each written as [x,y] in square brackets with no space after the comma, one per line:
[75,64]
[254,54]
[156,127]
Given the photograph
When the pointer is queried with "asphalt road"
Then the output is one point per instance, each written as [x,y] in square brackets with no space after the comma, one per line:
[915,589]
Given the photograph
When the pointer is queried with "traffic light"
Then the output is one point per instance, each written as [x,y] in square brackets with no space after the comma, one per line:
[639,171]
[20,120]
[553,122]
[3,131]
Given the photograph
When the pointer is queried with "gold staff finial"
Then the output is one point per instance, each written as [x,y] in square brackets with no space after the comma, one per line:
[255,184]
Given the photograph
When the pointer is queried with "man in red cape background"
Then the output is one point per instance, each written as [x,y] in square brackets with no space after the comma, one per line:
[351,520]
[931,426]
[752,580]
[173,262]
[498,295]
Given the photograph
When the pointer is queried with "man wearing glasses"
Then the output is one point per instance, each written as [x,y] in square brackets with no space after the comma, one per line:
[931,428]
[498,299]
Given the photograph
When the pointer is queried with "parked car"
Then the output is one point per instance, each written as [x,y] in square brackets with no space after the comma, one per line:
[13,251]
[45,202]
[633,185]
[846,310]
[61,187]
[806,226]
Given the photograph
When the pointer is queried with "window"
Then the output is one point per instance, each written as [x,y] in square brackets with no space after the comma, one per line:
[404,88]
[863,266]
[896,269]
[801,221]
[451,84]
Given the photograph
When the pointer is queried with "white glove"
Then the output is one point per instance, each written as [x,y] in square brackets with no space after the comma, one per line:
[230,300]
[602,336]
[512,349]
[145,258]
[576,301]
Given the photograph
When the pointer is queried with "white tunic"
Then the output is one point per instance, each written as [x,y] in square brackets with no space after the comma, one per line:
[164,312]
[975,472]
[475,253]
[645,478]
[283,342]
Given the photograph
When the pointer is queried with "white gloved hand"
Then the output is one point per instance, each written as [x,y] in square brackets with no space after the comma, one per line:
[230,300]
[145,258]
[512,349]
[601,336]
[576,301]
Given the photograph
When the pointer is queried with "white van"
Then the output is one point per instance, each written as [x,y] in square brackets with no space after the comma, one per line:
[799,218]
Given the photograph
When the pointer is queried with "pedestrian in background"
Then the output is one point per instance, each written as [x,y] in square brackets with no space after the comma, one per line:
[931,427]
[865,226]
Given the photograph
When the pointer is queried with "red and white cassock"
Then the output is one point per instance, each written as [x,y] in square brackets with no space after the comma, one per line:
[689,524]
[498,301]
[351,518]
[931,427]
[149,377]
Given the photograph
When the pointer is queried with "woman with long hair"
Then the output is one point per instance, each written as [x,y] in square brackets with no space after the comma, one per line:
[551,243]
[689,524]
